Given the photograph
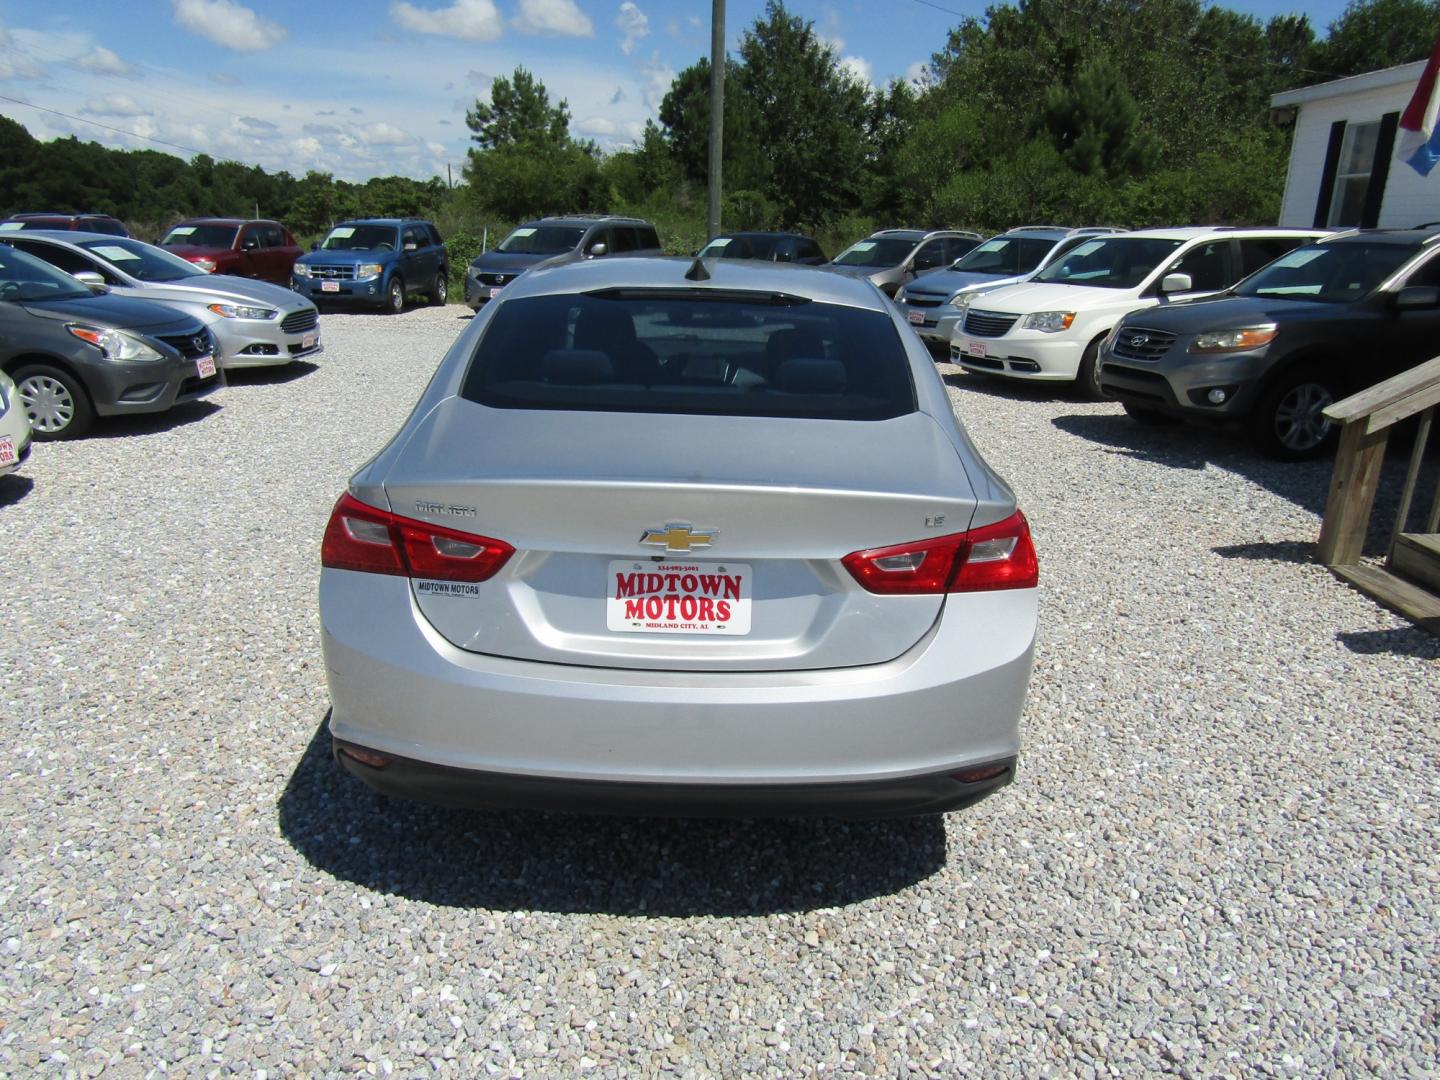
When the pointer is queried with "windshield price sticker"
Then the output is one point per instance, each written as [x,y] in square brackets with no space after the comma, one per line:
[523,232]
[11,226]
[993,245]
[864,245]
[182,230]
[678,598]
[1087,248]
[342,233]
[1296,259]
[114,254]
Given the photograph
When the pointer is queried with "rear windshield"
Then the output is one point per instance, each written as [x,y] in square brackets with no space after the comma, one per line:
[1006,255]
[1112,263]
[205,236]
[731,354]
[1329,273]
[888,252]
[540,240]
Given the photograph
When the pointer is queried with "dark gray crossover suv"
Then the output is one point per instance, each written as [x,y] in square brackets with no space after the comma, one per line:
[552,241]
[76,353]
[1316,325]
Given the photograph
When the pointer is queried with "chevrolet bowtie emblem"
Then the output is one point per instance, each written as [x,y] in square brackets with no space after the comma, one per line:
[679,537]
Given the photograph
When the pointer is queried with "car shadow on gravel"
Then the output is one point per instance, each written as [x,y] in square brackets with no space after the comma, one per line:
[569,863]
[270,376]
[124,427]
[1402,641]
[997,386]
[14,488]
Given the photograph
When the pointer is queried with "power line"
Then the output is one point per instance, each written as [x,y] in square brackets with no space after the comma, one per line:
[97,123]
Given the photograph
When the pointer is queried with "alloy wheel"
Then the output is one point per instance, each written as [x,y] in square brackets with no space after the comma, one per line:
[1300,423]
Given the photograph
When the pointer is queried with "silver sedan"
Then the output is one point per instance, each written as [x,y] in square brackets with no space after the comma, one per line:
[255,323]
[693,541]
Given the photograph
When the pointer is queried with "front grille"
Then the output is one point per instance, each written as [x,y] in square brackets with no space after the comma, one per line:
[299,321]
[1136,343]
[989,323]
[924,301]
[982,362]
[496,279]
[190,346]
[333,272]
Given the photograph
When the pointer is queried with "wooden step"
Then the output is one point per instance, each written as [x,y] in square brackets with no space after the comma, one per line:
[1417,557]
[1416,604]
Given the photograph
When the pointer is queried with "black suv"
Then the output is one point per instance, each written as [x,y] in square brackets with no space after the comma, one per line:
[552,241]
[98,223]
[1316,325]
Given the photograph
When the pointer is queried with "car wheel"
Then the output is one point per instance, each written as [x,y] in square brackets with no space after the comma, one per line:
[1289,424]
[1149,417]
[54,400]
[395,296]
[440,291]
[1087,378]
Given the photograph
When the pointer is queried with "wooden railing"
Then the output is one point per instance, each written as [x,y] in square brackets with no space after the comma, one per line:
[1409,581]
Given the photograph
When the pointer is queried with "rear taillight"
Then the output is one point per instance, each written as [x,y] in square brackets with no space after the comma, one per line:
[999,556]
[360,537]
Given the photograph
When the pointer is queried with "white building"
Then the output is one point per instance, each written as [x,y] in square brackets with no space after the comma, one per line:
[1343,165]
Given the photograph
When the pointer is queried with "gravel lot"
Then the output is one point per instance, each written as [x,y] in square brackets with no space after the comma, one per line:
[1219,858]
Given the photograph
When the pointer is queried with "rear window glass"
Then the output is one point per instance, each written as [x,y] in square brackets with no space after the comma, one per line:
[731,354]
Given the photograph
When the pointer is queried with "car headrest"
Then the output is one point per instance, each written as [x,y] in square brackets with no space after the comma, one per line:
[577,366]
[805,376]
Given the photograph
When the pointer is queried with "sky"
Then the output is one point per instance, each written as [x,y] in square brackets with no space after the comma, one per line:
[380,87]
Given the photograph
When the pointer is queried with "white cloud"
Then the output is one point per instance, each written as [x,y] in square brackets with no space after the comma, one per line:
[918,73]
[114,105]
[563,18]
[383,134]
[229,24]
[658,76]
[102,61]
[858,68]
[596,125]
[14,64]
[469,20]
[633,26]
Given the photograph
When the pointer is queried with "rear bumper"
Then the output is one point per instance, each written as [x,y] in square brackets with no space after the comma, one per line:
[904,796]
[888,734]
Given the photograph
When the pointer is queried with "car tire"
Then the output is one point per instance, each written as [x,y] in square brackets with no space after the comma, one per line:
[55,401]
[1287,424]
[1149,417]
[1087,377]
[440,291]
[395,296]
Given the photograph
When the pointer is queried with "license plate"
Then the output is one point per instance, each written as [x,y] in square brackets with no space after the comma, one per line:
[205,366]
[494,291]
[7,451]
[678,598]
[977,348]
[916,317]
[329,286]
[309,341]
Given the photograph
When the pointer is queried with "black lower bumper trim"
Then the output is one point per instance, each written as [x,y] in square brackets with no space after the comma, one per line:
[904,796]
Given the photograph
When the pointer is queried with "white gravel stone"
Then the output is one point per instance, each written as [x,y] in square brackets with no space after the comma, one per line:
[1218,859]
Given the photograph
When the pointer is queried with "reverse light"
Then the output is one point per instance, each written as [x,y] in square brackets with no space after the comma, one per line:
[1049,322]
[1223,341]
[114,345]
[999,556]
[373,541]
[242,311]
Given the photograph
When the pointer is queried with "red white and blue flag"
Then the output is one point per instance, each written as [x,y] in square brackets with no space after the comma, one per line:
[1420,123]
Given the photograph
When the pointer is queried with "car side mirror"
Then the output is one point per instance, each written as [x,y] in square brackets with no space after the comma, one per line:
[596,250]
[250,245]
[89,277]
[314,245]
[1417,296]
[1176,283]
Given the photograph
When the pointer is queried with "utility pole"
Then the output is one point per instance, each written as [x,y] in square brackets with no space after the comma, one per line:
[717,113]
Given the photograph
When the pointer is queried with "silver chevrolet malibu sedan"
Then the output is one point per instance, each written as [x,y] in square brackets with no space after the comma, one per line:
[681,538]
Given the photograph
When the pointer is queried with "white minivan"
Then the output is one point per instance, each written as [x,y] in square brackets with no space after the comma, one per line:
[1049,328]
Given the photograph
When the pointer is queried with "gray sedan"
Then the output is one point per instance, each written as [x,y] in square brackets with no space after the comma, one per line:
[704,541]
[255,323]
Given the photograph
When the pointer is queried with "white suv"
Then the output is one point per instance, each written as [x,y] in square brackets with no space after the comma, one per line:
[1049,328]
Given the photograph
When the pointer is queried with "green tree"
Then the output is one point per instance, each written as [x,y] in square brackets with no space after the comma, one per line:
[518,113]
[1374,34]
[1094,123]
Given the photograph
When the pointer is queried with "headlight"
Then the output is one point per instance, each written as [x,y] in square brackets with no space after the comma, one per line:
[961,298]
[301,270]
[114,345]
[208,265]
[1223,341]
[368,270]
[1049,322]
[241,311]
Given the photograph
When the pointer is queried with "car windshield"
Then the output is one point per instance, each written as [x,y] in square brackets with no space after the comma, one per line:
[742,247]
[1329,273]
[1112,263]
[677,351]
[1006,255]
[890,251]
[361,238]
[541,240]
[205,236]
[24,277]
[144,262]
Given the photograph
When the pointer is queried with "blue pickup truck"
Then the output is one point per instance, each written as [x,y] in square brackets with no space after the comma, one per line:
[375,262]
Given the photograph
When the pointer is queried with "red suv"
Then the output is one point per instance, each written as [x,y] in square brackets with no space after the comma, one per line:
[96,223]
[254,249]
